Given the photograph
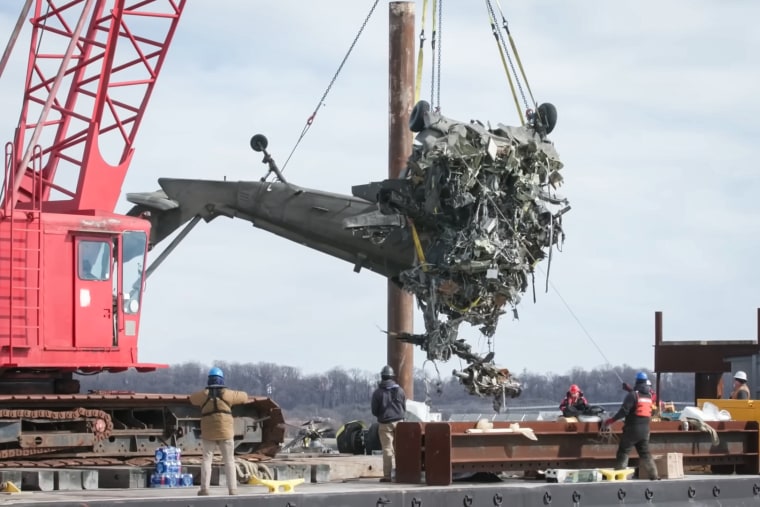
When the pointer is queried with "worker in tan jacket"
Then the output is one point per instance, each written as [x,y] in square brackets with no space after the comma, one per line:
[217,427]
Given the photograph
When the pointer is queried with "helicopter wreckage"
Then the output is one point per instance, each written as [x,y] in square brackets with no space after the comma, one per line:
[481,207]
[463,227]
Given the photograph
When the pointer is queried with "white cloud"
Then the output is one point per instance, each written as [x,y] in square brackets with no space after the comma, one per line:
[657,129]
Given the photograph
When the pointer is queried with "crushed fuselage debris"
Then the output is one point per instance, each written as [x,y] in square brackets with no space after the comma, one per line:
[481,207]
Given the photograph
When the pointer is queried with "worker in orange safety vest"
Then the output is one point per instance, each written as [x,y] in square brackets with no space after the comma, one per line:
[637,411]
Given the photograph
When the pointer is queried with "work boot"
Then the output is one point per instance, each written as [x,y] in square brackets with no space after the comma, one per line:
[202,492]
[386,479]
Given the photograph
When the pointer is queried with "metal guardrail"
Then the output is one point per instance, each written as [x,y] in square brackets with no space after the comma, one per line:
[443,449]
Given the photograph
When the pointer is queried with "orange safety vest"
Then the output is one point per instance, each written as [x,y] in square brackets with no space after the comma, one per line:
[643,406]
[742,387]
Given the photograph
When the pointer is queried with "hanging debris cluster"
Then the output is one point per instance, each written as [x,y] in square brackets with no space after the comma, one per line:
[482,211]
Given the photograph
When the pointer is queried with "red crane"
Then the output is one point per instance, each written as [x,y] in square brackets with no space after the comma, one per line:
[71,270]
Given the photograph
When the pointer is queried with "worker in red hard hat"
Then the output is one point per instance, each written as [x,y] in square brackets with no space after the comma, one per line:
[574,403]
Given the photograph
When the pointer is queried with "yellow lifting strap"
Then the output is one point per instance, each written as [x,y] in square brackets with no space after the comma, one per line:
[472,305]
[519,63]
[494,29]
[514,50]
[420,52]
[417,245]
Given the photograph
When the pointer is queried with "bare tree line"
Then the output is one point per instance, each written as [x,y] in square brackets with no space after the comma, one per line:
[343,394]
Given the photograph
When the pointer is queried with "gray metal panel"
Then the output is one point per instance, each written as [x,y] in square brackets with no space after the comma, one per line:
[693,491]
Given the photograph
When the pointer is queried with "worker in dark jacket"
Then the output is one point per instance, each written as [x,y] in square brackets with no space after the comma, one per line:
[637,411]
[575,403]
[217,427]
[389,406]
[741,390]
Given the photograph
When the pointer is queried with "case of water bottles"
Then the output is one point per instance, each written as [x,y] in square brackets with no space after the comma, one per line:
[168,472]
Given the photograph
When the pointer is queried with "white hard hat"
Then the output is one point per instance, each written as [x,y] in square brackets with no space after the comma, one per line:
[740,375]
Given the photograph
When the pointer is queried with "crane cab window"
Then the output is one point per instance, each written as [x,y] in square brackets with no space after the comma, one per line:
[94,260]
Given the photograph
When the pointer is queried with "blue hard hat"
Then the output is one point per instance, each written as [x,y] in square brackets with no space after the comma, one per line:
[641,377]
[215,377]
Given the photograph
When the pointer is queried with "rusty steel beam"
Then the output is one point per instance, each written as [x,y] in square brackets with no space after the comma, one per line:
[400,103]
[443,449]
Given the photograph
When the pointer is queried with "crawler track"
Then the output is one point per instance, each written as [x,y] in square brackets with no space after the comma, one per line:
[122,425]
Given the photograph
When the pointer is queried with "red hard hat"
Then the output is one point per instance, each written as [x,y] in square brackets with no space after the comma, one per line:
[574,389]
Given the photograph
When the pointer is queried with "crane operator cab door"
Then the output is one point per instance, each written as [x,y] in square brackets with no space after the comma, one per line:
[93,300]
[108,288]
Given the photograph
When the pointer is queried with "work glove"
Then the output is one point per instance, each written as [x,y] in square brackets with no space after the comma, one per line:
[627,387]
[608,422]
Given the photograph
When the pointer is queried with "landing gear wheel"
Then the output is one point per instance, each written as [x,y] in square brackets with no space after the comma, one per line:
[417,117]
[259,142]
[548,114]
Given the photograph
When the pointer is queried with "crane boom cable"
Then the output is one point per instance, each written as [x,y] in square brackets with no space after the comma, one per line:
[438,59]
[14,35]
[562,299]
[51,98]
[310,119]
[434,55]
[505,25]
[503,47]
[420,54]
[494,30]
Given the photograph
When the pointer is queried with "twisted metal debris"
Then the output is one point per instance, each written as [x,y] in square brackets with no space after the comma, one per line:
[482,209]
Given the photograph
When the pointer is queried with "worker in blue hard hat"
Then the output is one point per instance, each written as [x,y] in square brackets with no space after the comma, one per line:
[637,412]
[217,427]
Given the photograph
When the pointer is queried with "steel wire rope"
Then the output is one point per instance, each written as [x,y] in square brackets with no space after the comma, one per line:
[14,35]
[436,43]
[310,119]
[495,33]
[24,11]
[505,25]
[433,55]
[562,299]
[489,6]
[420,54]
[438,59]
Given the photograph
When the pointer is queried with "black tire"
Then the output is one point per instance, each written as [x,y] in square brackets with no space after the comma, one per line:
[417,117]
[349,439]
[548,114]
[372,439]
[259,142]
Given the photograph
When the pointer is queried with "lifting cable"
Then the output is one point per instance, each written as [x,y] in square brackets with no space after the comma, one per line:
[435,44]
[535,265]
[420,54]
[14,35]
[507,63]
[310,119]
[512,44]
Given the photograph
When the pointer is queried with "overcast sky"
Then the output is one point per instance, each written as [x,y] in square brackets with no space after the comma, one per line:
[657,129]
